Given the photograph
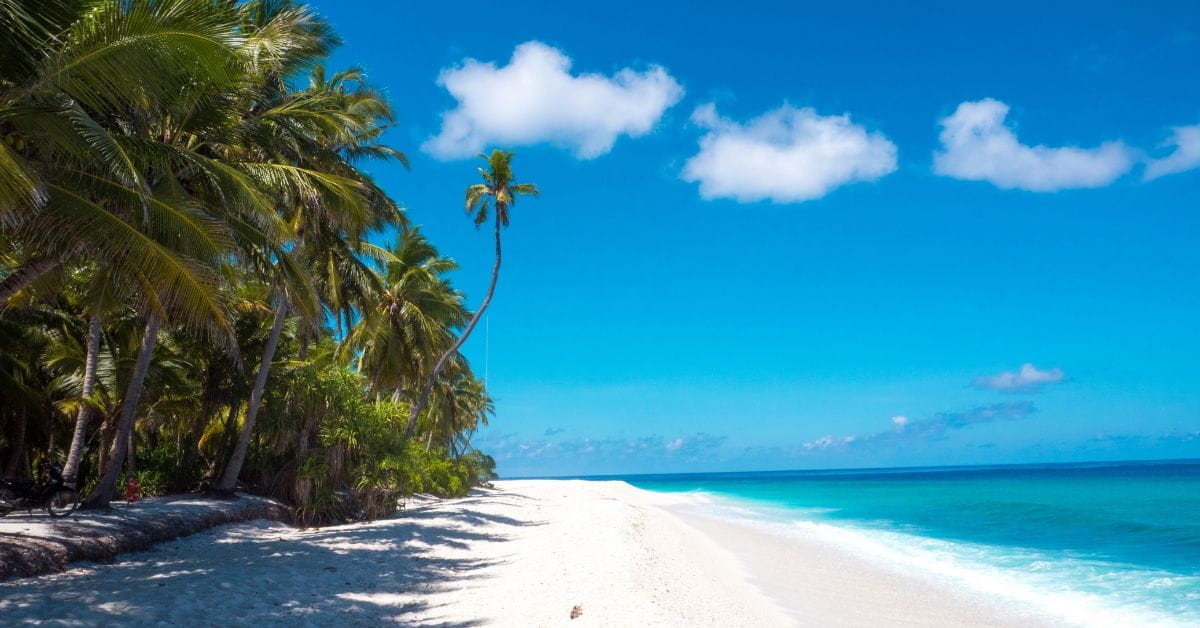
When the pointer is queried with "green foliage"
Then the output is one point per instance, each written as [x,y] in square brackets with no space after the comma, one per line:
[152,481]
[192,163]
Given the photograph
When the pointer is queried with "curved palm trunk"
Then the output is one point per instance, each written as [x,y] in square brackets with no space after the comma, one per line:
[25,275]
[423,399]
[234,468]
[107,485]
[75,454]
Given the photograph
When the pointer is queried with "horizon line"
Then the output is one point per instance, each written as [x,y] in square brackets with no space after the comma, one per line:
[847,470]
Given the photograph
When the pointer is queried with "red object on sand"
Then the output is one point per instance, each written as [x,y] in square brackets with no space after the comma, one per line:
[133,490]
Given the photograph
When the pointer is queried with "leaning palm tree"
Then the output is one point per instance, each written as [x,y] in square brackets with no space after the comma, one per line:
[500,189]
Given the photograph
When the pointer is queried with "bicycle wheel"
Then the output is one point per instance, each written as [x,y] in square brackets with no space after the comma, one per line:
[62,502]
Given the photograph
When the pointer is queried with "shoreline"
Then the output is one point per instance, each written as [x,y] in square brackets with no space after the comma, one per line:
[817,583]
[526,553]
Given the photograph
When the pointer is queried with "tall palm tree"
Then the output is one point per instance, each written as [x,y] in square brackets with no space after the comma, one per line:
[500,189]
[207,160]
[173,197]
[320,132]
[100,295]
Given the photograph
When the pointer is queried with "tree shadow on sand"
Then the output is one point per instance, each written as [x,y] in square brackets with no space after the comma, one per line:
[265,573]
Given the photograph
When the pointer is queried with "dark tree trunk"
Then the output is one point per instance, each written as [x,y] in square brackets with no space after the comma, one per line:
[375,381]
[230,434]
[25,275]
[234,468]
[131,455]
[441,363]
[14,468]
[189,441]
[107,484]
[79,439]
[107,430]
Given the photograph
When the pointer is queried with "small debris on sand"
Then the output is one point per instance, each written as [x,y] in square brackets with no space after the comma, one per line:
[577,611]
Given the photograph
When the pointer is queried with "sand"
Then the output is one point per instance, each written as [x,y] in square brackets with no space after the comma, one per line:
[34,544]
[525,554]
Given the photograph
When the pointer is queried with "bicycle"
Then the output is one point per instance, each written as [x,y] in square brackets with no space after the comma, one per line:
[57,498]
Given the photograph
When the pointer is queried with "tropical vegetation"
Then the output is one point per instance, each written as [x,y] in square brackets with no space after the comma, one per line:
[201,284]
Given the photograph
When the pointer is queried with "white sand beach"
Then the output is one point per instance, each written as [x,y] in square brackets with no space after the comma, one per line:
[524,554]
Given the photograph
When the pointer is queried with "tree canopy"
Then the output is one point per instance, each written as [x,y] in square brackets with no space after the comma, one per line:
[189,287]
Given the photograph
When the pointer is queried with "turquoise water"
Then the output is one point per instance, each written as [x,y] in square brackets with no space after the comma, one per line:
[1105,543]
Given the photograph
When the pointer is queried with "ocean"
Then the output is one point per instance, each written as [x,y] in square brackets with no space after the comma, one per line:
[1110,543]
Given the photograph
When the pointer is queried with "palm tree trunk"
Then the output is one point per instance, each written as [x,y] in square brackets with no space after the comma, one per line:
[107,485]
[24,275]
[131,455]
[18,448]
[188,441]
[71,468]
[234,468]
[107,429]
[375,379]
[228,438]
[437,368]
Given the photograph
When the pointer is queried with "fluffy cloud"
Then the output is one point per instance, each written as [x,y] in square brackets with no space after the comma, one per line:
[978,146]
[536,99]
[900,421]
[1028,379]
[786,155]
[1186,141]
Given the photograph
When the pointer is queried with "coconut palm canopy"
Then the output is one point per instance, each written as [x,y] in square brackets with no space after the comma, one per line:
[188,291]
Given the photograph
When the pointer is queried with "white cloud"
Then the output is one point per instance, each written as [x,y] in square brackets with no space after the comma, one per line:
[1186,140]
[934,427]
[1028,379]
[786,155]
[820,443]
[977,146]
[536,99]
[675,444]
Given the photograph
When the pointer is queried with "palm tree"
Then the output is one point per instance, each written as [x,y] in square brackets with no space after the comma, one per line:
[71,175]
[100,295]
[459,405]
[498,188]
[172,198]
[411,320]
[320,132]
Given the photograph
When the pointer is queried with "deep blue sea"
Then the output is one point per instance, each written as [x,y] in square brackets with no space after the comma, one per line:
[1115,542]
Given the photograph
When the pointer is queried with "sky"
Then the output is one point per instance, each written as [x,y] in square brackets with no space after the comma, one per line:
[812,235]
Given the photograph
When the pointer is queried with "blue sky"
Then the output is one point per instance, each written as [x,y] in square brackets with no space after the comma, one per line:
[814,234]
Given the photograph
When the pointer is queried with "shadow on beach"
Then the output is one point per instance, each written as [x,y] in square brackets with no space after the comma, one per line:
[264,572]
